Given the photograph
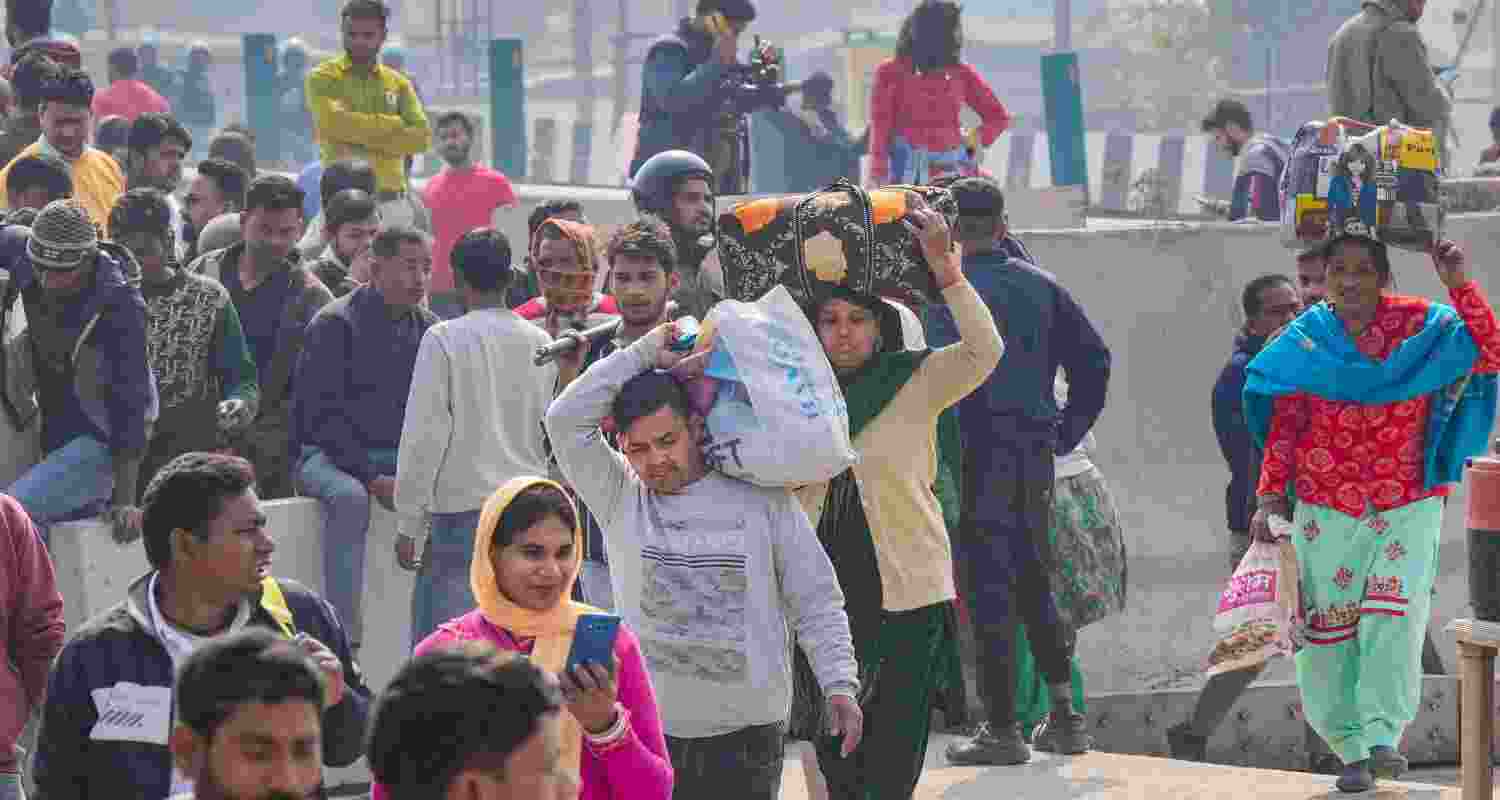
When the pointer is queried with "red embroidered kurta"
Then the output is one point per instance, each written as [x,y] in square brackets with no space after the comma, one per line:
[1347,456]
[924,109]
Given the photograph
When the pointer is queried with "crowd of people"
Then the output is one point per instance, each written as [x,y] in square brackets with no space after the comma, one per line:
[343,337]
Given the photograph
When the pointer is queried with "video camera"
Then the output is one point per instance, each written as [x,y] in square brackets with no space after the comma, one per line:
[757,85]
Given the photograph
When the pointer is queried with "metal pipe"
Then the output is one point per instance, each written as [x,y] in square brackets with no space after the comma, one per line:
[567,341]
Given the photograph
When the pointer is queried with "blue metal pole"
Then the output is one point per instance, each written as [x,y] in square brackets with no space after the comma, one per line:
[508,106]
[1063,99]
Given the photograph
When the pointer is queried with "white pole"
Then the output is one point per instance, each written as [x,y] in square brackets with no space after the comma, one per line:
[1062,25]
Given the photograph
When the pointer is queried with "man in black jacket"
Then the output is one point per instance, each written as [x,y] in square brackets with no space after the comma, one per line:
[108,715]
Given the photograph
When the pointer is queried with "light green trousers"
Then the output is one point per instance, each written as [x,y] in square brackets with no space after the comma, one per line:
[1367,594]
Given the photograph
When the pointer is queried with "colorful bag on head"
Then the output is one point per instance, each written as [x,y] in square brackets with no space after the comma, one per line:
[840,236]
[1350,177]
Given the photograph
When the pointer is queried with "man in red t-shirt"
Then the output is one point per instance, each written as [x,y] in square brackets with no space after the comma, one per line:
[461,198]
[127,96]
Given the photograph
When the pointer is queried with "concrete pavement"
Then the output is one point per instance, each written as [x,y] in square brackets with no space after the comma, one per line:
[1096,776]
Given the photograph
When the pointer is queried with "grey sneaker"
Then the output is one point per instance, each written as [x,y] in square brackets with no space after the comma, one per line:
[1184,745]
[1064,735]
[1356,777]
[986,748]
[1386,764]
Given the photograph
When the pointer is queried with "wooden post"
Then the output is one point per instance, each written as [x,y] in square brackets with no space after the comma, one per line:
[1477,674]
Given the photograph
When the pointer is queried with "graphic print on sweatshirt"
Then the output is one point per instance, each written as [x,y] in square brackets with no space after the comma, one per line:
[693,592]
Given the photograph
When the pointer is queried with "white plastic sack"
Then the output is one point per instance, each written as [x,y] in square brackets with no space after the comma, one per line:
[781,420]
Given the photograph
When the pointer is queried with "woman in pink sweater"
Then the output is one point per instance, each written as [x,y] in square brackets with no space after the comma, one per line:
[528,546]
[915,134]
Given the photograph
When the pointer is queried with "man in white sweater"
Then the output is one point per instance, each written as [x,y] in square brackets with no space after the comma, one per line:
[711,573]
[473,422]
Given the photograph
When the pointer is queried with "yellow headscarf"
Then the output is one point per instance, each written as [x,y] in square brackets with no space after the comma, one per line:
[552,629]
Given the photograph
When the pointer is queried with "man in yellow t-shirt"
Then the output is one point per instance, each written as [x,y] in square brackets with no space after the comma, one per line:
[66,121]
[363,109]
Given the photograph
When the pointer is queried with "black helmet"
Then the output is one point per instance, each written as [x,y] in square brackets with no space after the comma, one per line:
[652,186]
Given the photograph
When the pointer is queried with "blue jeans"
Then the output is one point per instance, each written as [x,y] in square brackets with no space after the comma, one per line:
[346,525]
[73,482]
[442,591]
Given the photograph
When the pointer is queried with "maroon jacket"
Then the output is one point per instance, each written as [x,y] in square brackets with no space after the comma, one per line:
[31,618]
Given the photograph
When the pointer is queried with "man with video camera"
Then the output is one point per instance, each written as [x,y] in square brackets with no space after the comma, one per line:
[695,95]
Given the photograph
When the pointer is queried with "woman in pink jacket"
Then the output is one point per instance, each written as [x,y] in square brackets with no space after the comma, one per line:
[916,99]
[528,547]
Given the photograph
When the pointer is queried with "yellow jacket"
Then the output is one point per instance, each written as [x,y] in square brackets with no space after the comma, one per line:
[97,182]
[898,461]
[374,115]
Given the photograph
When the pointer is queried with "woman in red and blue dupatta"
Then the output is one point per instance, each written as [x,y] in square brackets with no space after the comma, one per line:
[1367,407]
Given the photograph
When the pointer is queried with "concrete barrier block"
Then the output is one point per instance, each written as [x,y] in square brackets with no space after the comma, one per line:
[1265,728]
[93,571]
[1116,173]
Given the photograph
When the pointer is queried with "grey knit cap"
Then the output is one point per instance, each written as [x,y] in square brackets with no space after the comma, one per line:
[62,237]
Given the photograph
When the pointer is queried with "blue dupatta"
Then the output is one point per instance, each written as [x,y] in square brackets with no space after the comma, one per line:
[1317,356]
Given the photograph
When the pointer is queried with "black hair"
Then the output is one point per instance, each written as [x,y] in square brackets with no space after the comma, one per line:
[1225,112]
[451,117]
[931,35]
[235,147]
[272,192]
[647,236]
[451,709]
[646,394]
[387,243]
[187,494]
[738,10]
[350,205]
[69,87]
[530,506]
[21,216]
[154,127]
[124,61]
[346,173]
[39,169]
[1250,297]
[366,9]
[141,210]
[228,176]
[112,133]
[1378,252]
[482,259]
[978,197]
[30,17]
[548,209]
[30,78]
[253,665]
[981,204]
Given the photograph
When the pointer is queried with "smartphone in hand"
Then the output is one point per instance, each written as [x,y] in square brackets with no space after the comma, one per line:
[594,641]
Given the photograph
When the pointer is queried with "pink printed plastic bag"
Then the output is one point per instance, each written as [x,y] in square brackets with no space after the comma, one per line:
[1259,608]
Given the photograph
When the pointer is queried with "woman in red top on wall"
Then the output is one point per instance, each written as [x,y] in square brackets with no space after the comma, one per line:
[915,134]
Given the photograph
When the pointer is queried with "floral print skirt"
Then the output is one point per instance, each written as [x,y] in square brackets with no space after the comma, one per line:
[1088,547]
